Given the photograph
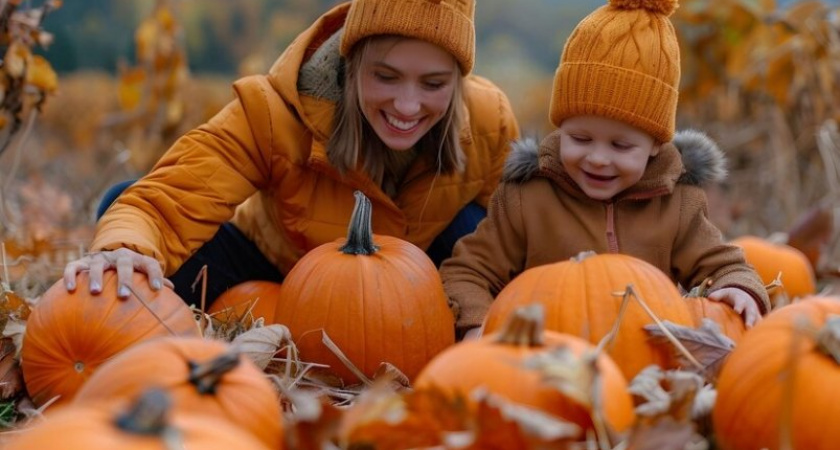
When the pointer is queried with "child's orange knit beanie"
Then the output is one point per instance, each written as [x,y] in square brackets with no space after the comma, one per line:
[447,23]
[622,62]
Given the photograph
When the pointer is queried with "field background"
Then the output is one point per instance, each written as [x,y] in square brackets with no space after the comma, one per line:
[759,76]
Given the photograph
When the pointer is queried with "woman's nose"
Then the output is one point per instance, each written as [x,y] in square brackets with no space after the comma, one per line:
[407,102]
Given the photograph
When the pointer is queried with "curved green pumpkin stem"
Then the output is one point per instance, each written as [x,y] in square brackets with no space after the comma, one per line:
[360,232]
[147,415]
[524,327]
[207,376]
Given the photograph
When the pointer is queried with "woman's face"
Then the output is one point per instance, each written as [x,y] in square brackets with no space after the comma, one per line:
[604,156]
[406,87]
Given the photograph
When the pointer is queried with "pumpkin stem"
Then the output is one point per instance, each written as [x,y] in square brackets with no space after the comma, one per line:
[206,376]
[359,232]
[147,415]
[524,327]
[583,255]
[700,289]
[828,338]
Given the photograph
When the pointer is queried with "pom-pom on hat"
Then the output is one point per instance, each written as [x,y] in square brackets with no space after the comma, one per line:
[447,23]
[622,61]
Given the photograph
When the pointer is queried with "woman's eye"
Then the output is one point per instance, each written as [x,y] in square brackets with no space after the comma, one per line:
[433,85]
[384,76]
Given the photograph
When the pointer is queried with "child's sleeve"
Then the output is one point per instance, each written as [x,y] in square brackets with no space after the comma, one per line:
[700,252]
[483,262]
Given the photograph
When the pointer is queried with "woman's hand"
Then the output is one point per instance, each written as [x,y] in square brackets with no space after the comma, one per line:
[125,261]
[740,301]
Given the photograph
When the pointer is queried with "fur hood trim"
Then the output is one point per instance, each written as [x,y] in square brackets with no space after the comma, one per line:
[703,161]
[522,161]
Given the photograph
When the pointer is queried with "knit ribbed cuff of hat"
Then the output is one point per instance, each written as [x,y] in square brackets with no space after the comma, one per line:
[582,88]
[436,22]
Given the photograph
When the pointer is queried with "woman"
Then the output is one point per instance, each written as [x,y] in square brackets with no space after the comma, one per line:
[375,96]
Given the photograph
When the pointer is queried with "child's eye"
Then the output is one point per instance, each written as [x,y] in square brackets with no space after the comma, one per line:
[580,139]
[622,145]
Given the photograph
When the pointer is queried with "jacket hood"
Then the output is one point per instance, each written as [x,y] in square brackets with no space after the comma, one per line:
[690,158]
[314,109]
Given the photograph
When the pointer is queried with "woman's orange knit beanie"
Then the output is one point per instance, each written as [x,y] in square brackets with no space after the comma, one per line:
[622,62]
[447,23]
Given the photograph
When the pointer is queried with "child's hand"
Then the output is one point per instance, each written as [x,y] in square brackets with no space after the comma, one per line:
[740,301]
[472,334]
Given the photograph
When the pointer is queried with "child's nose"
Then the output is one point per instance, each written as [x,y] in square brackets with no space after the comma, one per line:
[598,157]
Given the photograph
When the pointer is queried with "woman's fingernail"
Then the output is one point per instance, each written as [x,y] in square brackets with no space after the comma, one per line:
[71,285]
[95,288]
[156,284]
[123,291]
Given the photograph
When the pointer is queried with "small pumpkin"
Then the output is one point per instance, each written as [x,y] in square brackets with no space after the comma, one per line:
[378,298]
[582,297]
[771,259]
[255,297]
[496,362]
[783,379]
[70,334]
[201,376]
[140,424]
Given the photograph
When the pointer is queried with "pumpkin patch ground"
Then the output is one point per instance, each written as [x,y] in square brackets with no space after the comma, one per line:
[356,348]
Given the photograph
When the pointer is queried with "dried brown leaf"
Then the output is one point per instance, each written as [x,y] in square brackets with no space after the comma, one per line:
[494,429]
[707,344]
[647,386]
[261,344]
[704,402]
[11,377]
[572,375]
[666,393]
[666,433]
[499,419]
[314,422]
[14,306]
[384,419]
[14,330]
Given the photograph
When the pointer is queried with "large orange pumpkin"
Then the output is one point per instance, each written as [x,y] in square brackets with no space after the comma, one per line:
[257,297]
[201,375]
[146,423]
[378,298]
[770,259]
[69,334]
[582,297]
[778,376]
[496,362]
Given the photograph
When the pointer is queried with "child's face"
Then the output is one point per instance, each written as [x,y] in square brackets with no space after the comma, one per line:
[406,87]
[604,156]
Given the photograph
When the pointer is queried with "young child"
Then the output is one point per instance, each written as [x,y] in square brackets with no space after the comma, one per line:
[612,177]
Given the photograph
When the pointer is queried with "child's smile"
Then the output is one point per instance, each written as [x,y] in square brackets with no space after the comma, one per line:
[604,156]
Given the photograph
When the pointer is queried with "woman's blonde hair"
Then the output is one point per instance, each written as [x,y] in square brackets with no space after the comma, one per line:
[353,136]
